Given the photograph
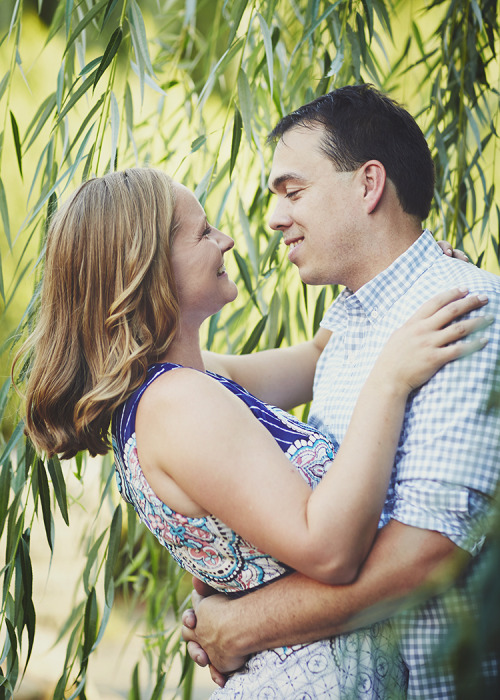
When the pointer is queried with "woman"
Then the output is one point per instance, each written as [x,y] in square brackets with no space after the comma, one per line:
[132,270]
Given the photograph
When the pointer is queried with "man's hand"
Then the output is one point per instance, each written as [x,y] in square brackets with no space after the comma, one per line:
[203,645]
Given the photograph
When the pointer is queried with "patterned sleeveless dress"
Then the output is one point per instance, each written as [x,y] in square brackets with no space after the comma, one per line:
[361,665]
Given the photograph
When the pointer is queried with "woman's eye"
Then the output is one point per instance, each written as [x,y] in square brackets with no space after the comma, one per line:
[290,195]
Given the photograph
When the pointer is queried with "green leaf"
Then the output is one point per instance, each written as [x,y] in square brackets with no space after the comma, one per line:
[5,478]
[198,143]
[236,139]
[2,290]
[245,98]
[109,54]
[274,318]
[157,693]
[84,22]
[254,337]
[68,11]
[59,486]
[115,532]
[139,38]
[75,97]
[43,488]
[266,36]
[115,128]
[41,118]
[60,85]
[244,272]
[13,440]
[219,67]
[89,625]
[91,560]
[319,310]
[3,83]
[17,142]
[237,9]
[4,211]
[135,691]
[109,9]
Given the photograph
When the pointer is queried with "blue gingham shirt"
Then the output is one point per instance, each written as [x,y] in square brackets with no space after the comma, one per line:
[447,463]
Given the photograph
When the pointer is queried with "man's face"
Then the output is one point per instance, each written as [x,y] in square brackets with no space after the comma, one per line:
[317,209]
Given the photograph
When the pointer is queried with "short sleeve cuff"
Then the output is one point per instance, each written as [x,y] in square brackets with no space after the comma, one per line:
[461,514]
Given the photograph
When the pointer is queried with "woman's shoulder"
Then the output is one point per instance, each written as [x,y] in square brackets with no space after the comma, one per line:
[167,390]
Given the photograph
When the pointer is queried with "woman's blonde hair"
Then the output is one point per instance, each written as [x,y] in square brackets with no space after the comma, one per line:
[108,308]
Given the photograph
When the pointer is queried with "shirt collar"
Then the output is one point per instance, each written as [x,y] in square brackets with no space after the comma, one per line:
[376,297]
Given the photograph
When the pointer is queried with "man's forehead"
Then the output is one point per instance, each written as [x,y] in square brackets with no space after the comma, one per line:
[296,156]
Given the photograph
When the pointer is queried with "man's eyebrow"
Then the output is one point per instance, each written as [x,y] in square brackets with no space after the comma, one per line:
[278,181]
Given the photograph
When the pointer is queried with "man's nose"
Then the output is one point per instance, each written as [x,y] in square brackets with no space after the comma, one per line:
[279,219]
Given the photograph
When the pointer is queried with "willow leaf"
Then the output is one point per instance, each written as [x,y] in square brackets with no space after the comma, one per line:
[139,38]
[109,9]
[109,54]
[75,97]
[319,310]
[4,211]
[43,489]
[89,625]
[3,83]
[115,128]
[40,118]
[115,532]
[84,22]
[91,560]
[59,486]
[2,289]
[14,439]
[246,107]
[244,272]
[5,479]
[254,337]
[236,139]
[237,10]
[68,11]
[17,142]
[219,68]
[268,46]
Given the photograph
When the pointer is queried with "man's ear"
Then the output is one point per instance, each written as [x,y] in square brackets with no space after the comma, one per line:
[373,178]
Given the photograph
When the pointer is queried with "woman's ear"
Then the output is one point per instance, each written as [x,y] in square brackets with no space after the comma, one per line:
[373,179]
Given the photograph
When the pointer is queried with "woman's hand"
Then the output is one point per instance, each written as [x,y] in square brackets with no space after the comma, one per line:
[433,337]
[448,249]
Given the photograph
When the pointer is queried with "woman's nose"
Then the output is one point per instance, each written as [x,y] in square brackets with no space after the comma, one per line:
[225,242]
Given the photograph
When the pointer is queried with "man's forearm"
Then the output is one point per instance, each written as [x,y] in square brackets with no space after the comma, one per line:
[297,610]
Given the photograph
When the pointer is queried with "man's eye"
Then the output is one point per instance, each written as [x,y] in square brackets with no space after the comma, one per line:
[207,231]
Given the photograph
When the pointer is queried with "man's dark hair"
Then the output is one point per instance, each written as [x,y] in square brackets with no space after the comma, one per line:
[362,124]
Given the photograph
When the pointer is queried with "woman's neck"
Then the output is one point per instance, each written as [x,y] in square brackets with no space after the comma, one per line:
[185,349]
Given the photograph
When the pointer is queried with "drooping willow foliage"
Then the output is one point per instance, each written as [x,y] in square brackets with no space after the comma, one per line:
[194,86]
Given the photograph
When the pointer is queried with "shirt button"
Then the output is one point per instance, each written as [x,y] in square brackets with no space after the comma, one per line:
[374,314]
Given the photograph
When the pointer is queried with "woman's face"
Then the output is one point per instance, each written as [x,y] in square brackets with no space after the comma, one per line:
[197,254]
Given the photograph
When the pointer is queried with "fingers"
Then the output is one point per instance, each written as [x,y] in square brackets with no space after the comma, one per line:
[455,309]
[217,676]
[189,619]
[448,249]
[446,306]
[464,327]
[203,588]
[196,599]
[198,655]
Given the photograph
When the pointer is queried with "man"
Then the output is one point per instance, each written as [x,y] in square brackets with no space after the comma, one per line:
[354,179]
